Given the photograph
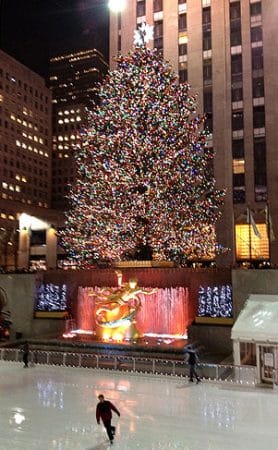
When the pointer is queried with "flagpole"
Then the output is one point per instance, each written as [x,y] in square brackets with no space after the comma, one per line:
[268,229]
[249,229]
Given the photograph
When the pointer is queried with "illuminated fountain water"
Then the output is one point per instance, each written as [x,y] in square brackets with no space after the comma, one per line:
[128,312]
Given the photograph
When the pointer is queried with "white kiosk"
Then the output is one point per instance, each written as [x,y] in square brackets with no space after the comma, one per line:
[255,336]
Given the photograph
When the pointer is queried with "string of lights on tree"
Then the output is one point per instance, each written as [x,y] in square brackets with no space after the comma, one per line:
[144,175]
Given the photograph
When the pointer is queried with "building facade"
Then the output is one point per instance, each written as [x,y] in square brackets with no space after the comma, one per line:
[73,82]
[25,159]
[224,49]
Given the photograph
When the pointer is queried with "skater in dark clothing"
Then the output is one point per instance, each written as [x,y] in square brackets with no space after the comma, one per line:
[192,359]
[104,412]
[25,357]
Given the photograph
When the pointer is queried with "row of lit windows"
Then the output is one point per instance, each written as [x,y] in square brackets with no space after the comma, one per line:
[23,122]
[93,52]
[67,120]
[30,148]
[32,137]
[28,124]
[7,216]
[23,200]
[11,187]
[63,147]
[22,98]
[21,178]
[255,7]
[10,126]
[67,112]
[60,138]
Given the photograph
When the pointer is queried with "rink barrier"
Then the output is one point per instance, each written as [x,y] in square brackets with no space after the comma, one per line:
[275,379]
[224,373]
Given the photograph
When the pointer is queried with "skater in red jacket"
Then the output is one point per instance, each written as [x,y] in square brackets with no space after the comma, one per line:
[104,411]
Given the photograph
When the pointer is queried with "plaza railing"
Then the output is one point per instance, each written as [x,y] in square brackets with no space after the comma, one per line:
[226,373]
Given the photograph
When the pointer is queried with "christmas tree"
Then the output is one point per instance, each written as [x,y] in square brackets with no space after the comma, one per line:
[144,170]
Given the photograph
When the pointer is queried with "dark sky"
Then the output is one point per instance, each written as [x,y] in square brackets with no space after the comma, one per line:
[33,30]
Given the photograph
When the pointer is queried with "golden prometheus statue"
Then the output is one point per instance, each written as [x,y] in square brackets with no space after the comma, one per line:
[116,310]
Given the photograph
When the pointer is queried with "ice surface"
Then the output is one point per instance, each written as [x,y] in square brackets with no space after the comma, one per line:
[53,408]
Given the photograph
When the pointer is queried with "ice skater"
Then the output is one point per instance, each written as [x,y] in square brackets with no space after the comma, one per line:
[104,412]
[25,357]
[192,360]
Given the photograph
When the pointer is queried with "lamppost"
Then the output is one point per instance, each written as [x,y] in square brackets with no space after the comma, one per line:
[117,6]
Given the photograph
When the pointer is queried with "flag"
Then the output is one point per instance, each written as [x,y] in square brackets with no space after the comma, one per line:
[251,221]
[271,235]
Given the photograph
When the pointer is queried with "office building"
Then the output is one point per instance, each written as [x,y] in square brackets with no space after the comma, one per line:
[74,81]
[25,158]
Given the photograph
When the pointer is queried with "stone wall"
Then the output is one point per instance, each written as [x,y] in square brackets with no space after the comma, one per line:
[20,293]
[246,282]
[20,289]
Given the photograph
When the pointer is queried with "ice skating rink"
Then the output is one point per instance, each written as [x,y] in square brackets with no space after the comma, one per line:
[53,408]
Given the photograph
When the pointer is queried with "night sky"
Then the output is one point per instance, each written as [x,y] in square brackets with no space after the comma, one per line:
[33,30]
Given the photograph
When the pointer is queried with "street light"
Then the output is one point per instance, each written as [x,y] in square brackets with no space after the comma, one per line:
[117,5]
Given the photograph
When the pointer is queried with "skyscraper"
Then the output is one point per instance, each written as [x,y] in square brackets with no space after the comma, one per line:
[25,151]
[73,82]
[224,49]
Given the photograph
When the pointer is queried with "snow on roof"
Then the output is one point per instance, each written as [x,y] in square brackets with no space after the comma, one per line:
[258,321]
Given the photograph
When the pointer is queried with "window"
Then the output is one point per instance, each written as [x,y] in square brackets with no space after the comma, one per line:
[183,76]
[206,16]
[238,148]
[182,22]
[208,101]
[157,5]
[206,42]
[158,35]
[207,72]
[255,9]
[141,8]
[239,194]
[238,166]
[206,29]
[234,11]
[208,110]
[238,179]
[235,24]
[248,245]
[38,237]
[236,64]
[257,58]
[182,49]
[258,117]
[256,34]
[237,93]
[260,169]
[237,121]
[258,87]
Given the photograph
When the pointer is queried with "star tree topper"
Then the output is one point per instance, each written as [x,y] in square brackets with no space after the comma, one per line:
[143,35]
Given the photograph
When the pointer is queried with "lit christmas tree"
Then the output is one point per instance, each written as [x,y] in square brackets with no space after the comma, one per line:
[144,177]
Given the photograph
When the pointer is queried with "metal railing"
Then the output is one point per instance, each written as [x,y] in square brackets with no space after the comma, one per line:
[275,379]
[243,375]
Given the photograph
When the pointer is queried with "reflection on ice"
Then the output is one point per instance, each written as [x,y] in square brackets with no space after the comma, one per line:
[55,410]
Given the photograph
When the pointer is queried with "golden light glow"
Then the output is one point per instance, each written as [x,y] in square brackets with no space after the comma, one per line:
[238,166]
[117,5]
[183,39]
[248,245]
